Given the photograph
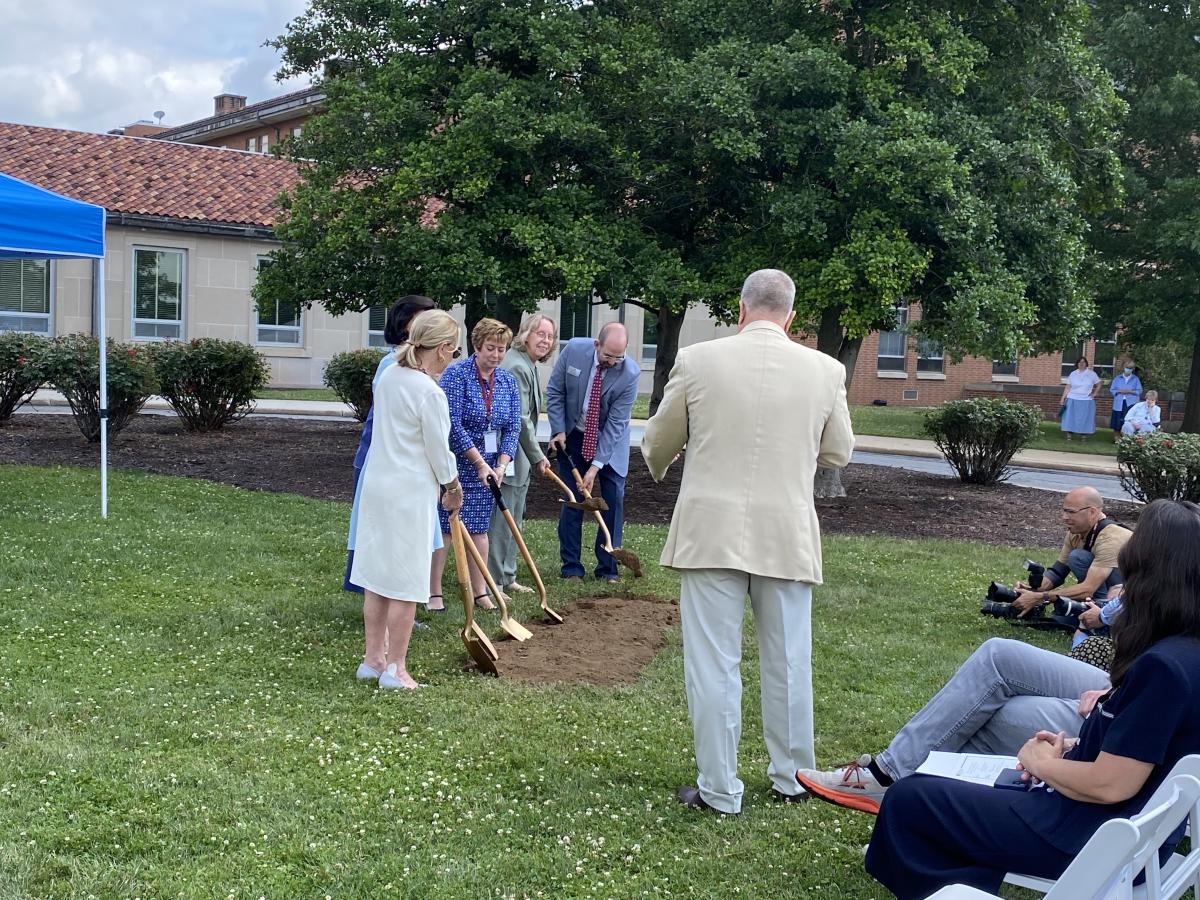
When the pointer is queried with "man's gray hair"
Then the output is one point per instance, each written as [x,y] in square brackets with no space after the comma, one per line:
[769,291]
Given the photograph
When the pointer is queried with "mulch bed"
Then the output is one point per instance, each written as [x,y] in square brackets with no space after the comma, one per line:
[314,458]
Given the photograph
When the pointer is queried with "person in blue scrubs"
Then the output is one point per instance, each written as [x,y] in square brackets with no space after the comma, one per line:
[932,832]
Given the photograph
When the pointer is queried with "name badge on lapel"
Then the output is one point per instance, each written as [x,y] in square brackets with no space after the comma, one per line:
[572,371]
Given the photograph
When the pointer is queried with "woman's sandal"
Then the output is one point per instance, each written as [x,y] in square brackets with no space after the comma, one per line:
[438,609]
[487,604]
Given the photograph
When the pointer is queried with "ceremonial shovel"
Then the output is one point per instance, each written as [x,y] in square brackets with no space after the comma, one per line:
[589,505]
[516,533]
[478,646]
[627,558]
[511,626]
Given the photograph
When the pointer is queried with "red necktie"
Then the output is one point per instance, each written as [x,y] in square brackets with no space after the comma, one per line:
[591,425]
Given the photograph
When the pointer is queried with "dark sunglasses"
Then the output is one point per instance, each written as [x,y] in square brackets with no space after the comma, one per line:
[456,354]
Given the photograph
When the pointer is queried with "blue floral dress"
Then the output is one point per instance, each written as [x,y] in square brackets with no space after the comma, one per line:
[471,419]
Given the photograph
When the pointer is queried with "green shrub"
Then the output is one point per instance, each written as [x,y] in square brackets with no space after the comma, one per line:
[21,369]
[209,382]
[1160,466]
[349,375]
[72,367]
[979,436]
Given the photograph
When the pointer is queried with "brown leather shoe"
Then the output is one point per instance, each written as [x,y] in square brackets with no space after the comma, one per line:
[689,796]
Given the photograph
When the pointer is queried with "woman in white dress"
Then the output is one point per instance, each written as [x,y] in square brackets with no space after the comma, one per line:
[407,468]
[1079,398]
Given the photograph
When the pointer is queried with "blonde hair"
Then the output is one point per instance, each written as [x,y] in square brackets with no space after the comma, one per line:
[528,327]
[490,330]
[428,330]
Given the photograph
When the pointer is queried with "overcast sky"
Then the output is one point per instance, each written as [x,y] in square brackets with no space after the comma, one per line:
[92,65]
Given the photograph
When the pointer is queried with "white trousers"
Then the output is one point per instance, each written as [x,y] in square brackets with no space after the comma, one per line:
[711,607]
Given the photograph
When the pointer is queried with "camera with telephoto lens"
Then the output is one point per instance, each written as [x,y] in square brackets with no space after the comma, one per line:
[999,602]
[1036,573]
[1065,607]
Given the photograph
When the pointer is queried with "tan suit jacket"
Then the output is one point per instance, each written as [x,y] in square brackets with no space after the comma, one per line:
[758,413]
[532,404]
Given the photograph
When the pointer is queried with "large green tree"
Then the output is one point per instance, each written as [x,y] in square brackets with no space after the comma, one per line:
[443,163]
[1151,245]
[655,151]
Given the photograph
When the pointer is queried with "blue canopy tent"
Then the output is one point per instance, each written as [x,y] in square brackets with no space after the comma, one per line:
[39,224]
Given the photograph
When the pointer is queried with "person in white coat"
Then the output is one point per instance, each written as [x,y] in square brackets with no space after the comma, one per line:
[408,467]
[1143,417]
[757,413]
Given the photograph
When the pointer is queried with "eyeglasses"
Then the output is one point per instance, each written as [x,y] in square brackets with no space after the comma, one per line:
[456,354]
[613,360]
[1071,512]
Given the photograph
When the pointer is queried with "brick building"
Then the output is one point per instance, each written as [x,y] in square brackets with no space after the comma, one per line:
[257,128]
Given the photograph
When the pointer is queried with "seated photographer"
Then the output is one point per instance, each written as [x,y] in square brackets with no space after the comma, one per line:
[1089,553]
[932,832]
[1004,692]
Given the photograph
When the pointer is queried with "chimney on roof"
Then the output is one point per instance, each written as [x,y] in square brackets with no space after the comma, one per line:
[228,103]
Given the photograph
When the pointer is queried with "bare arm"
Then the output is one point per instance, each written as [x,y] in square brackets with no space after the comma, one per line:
[1110,779]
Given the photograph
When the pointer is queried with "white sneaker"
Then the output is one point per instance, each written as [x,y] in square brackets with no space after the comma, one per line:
[389,682]
[852,785]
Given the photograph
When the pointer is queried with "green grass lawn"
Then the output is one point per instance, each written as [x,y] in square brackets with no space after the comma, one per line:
[905,422]
[297,394]
[178,717]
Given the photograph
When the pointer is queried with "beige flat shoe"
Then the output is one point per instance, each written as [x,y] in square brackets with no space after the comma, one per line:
[517,588]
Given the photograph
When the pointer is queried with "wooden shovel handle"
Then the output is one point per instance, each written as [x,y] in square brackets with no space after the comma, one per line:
[460,566]
[537,577]
[608,547]
[481,565]
[561,484]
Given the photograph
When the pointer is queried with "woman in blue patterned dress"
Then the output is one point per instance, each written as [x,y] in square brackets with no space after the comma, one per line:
[485,422]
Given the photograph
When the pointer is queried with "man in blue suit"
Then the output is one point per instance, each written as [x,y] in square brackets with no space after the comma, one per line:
[589,400]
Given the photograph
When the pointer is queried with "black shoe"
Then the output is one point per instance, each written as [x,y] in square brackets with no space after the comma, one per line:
[689,796]
[777,794]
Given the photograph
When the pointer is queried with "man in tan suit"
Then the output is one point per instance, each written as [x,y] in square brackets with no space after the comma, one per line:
[758,413]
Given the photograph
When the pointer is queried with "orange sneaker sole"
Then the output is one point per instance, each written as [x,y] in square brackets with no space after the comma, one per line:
[839,798]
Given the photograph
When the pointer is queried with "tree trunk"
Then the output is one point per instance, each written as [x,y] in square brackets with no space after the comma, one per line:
[1191,409]
[476,309]
[832,340]
[670,323]
[508,312]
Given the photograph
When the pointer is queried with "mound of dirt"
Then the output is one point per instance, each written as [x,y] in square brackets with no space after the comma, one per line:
[601,640]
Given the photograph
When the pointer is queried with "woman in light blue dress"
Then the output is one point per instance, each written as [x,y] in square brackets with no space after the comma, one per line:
[1079,397]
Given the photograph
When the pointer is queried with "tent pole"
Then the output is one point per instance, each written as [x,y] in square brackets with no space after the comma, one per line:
[99,275]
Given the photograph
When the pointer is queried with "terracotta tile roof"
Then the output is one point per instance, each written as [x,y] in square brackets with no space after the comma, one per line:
[141,176]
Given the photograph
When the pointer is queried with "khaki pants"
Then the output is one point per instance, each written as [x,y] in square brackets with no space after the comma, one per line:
[712,606]
[502,546]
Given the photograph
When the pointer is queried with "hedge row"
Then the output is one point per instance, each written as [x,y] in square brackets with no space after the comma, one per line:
[208,382]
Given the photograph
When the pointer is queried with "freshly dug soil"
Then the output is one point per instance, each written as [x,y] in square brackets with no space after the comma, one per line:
[315,458]
[601,640]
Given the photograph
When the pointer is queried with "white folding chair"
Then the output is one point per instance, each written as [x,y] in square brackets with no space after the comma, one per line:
[1110,861]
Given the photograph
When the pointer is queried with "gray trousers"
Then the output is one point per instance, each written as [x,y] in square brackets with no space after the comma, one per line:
[502,546]
[712,605]
[998,699]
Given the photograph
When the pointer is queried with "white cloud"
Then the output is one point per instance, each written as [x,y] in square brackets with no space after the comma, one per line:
[93,66]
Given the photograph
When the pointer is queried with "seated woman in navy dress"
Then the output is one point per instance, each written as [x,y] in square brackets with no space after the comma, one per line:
[485,422]
[933,831]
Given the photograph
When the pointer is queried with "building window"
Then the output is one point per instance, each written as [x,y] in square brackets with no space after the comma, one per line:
[280,322]
[266,143]
[929,356]
[297,131]
[649,336]
[894,344]
[158,294]
[1004,368]
[1105,353]
[252,144]
[376,319]
[1070,355]
[575,317]
[25,295]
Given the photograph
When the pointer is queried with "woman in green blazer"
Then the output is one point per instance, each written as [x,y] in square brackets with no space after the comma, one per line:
[533,344]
